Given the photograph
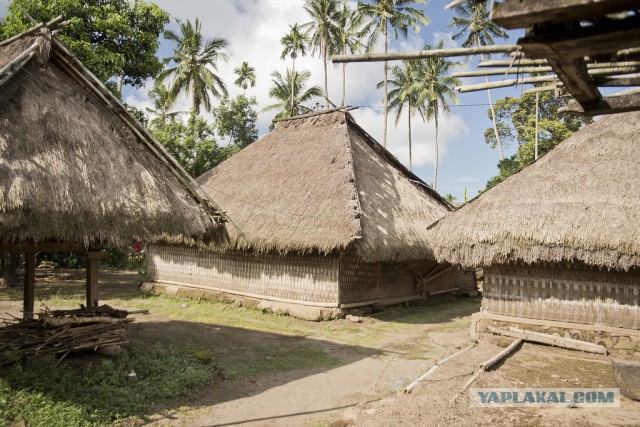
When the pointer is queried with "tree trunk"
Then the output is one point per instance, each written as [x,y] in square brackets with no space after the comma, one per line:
[386,101]
[293,88]
[10,272]
[326,85]
[493,111]
[410,155]
[493,121]
[344,78]
[435,163]
[119,84]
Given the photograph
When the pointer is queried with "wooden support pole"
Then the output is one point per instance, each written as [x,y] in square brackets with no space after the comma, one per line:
[93,259]
[29,285]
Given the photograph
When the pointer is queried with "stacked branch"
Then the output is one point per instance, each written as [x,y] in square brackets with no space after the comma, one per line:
[61,332]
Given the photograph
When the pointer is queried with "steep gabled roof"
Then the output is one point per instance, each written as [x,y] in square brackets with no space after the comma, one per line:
[319,182]
[75,166]
[581,201]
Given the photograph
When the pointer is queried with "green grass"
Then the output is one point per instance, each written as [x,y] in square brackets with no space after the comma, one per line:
[42,393]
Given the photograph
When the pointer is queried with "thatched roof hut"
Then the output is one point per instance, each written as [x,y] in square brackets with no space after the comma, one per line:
[581,201]
[75,167]
[322,183]
[328,217]
[77,171]
[560,240]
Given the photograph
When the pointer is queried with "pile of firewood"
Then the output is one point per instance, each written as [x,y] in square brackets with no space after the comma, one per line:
[60,332]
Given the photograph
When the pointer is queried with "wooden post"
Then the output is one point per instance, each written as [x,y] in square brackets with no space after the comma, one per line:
[93,258]
[29,284]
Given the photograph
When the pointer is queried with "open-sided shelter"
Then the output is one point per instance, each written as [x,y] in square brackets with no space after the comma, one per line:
[325,216]
[560,240]
[77,171]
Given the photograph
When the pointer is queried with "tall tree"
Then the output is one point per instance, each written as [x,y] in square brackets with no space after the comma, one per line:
[436,92]
[284,87]
[322,32]
[246,77]
[293,43]
[477,29]
[397,16]
[162,103]
[236,118]
[115,39]
[404,85]
[349,32]
[192,58]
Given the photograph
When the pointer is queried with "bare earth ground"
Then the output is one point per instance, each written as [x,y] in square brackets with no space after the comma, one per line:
[361,368]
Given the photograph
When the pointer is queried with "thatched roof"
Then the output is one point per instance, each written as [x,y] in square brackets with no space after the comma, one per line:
[581,201]
[320,182]
[75,166]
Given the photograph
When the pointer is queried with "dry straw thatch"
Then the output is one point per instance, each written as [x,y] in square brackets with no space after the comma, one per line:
[322,183]
[75,166]
[581,202]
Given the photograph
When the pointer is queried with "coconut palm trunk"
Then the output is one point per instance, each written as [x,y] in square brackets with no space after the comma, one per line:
[493,111]
[326,80]
[410,144]
[344,77]
[386,101]
[293,73]
[435,163]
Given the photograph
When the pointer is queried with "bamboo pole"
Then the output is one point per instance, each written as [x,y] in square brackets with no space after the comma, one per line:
[540,79]
[434,53]
[435,368]
[487,365]
[530,70]
[540,89]
[509,62]
[503,71]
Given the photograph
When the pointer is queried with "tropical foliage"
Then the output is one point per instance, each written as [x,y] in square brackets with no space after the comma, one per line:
[292,86]
[193,60]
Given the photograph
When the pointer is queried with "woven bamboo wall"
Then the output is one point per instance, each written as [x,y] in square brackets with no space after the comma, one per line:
[362,282]
[304,278]
[569,293]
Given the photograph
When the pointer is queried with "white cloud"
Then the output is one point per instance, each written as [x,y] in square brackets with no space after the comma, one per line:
[451,128]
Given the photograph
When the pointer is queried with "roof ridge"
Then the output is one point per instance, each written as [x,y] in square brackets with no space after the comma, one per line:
[353,178]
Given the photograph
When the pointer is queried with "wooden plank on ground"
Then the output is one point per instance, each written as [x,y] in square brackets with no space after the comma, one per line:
[540,338]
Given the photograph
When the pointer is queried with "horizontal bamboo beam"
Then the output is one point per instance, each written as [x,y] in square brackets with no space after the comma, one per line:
[511,62]
[434,53]
[540,79]
[540,89]
[503,71]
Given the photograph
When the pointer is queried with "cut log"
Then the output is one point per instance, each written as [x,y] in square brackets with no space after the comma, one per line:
[500,356]
[540,338]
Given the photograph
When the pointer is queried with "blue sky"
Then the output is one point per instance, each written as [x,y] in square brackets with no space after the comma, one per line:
[253,29]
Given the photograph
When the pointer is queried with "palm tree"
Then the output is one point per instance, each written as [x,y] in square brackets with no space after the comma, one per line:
[246,77]
[478,30]
[399,15]
[322,32]
[291,87]
[349,34]
[162,103]
[294,42]
[404,92]
[435,91]
[191,73]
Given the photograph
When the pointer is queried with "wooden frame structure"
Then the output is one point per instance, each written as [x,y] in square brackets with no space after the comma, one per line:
[578,44]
